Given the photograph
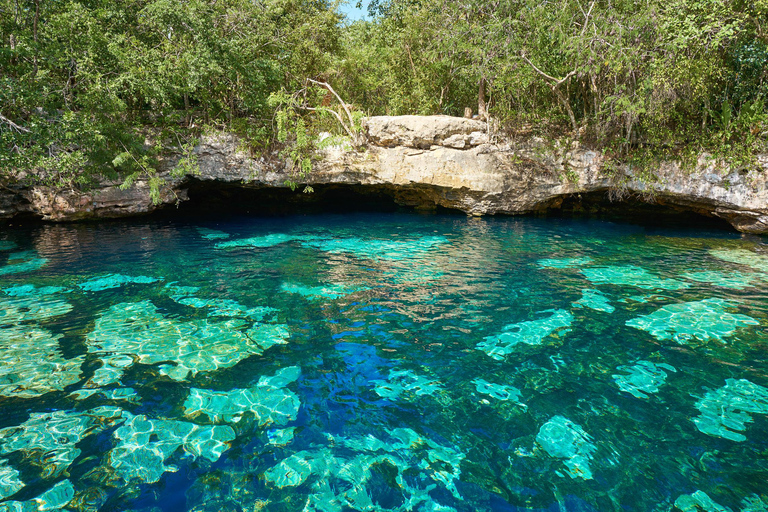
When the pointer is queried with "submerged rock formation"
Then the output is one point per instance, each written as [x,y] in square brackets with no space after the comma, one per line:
[428,161]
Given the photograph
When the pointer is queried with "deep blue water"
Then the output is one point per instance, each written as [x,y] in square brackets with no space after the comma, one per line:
[382,362]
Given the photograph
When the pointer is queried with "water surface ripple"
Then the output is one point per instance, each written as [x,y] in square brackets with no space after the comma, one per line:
[385,362]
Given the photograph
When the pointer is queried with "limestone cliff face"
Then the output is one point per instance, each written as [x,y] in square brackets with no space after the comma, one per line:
[452,162]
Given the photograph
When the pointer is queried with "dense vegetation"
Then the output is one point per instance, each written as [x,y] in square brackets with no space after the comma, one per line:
[97,87]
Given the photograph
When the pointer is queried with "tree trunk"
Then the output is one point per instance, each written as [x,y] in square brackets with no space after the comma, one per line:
[567,107]
[35,22]
[187,119]
[482,112]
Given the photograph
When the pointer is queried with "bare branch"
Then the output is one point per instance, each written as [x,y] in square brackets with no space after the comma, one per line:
[343,104]
[13,125]
[338,117]
[557,81]
[586,16]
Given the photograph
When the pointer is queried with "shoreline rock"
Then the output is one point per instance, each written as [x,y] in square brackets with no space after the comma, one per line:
[429,161]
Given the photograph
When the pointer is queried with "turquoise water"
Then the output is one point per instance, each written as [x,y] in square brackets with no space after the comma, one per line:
[382,362]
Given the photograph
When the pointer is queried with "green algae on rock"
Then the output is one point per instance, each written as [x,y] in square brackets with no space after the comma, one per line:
[563,439]
[531,332]
[564,262]
[109,281]
[268,401]
[702,320]
[631,276]
[724,412]
[138,330]
[644,378]
[594,299]
[33,364]
[405,384]
[55,498]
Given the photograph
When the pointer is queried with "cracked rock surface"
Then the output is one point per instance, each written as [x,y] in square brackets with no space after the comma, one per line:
[429,161]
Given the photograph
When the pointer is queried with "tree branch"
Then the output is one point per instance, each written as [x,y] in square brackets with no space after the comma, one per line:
[13,125]
[557,81]
[338,117]
[343,105]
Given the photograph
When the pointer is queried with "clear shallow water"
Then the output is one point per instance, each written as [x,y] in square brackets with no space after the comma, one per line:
[382,362]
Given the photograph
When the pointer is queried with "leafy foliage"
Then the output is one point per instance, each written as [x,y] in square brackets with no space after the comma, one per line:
[96,89]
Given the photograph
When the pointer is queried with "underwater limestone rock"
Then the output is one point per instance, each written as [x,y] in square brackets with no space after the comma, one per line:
[7,245]
[644,378]
[724,412]
[226,308]
[112,368]
[109,281]
[30,290]
[631,276]
[185,295]
[702,320]
[564,262]
[531,332]
[268,401]
[643,299]
[14,311]
[281,436]
[51,438]
[341,479]
[405,384]
[259,242]
[734,280]
[563,439]
[331,291]
[126,394]
[699,501]
[10,483]
[594,299]
[212,234]
[754,503]
[742,257]
[144,444]
[139,331]
[392,250]
[24,261]
[55,498]
[32,363]
[498,391]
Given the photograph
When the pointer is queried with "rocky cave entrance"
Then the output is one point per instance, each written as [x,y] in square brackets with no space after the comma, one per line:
[207,198]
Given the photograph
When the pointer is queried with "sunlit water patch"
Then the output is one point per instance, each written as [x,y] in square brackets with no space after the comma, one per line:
[382,362]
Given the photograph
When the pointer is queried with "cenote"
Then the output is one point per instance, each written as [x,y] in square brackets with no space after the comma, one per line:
[382,361]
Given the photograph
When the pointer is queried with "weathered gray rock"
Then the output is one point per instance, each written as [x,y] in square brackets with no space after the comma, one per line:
[105,201]
[424,131]
[426,161]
